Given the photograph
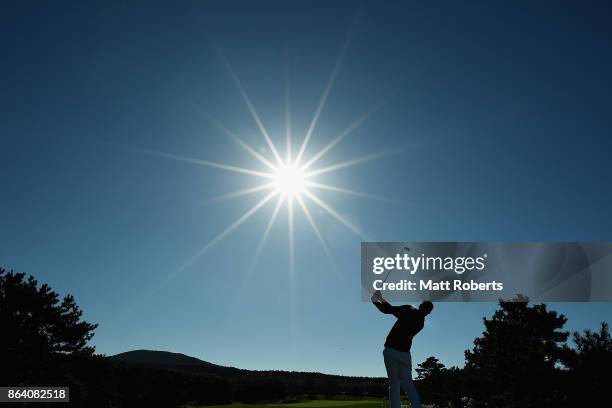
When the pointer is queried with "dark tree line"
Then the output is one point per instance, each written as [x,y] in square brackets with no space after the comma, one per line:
[37,328]
[523,359]
[44,342]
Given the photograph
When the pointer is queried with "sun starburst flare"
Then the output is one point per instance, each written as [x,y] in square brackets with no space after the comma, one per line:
[289,179]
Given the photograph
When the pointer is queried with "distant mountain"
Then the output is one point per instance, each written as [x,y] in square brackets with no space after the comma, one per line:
[182,362]
[175,361]
[252,382]
[153,357]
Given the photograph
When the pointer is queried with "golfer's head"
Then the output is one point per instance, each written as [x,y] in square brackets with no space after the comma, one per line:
[426,307]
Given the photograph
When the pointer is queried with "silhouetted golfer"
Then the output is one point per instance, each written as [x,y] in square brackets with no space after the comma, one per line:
[398,361]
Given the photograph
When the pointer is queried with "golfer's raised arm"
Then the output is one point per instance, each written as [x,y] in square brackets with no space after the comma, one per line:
[382,305]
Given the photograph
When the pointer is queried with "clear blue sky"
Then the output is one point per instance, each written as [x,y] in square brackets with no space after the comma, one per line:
[502,111]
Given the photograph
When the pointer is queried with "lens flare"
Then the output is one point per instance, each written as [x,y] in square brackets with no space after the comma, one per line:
[290,178]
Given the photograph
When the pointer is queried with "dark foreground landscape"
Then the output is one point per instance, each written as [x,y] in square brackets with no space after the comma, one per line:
[524,358]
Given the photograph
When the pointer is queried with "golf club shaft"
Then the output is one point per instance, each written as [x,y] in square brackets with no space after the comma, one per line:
[390,270]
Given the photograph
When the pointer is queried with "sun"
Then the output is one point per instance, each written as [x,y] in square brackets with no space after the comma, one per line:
[290,180]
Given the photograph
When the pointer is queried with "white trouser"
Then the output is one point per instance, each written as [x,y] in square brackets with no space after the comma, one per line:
[399,370]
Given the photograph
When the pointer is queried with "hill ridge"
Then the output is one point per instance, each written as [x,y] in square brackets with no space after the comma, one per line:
[184,362]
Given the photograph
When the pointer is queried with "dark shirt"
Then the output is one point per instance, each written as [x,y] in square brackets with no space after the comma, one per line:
[409,322]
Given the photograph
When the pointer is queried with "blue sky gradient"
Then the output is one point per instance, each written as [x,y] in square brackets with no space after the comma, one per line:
[498,117]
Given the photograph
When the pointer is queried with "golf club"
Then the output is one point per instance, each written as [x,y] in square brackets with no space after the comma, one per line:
[389,273]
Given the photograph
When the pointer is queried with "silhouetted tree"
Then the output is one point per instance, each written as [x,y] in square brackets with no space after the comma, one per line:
[589,364]
[514,363]
[429,368]
[438,385]
[36,328]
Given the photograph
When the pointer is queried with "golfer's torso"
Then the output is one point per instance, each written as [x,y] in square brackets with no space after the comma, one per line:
[408,324]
